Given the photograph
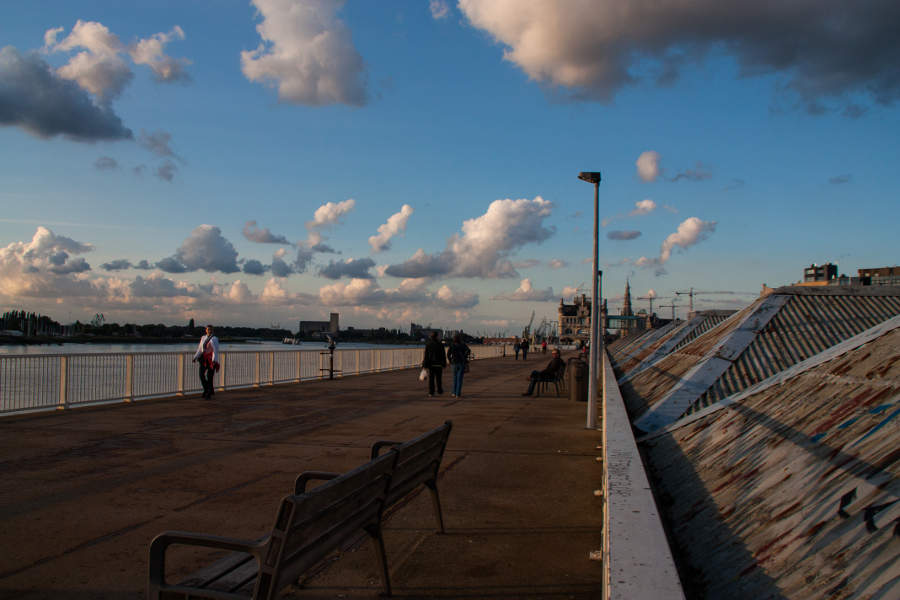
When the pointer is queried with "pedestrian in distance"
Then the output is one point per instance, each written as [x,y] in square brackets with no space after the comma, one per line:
[208,356]
[525,348]
[435,360]
[458,354]
[517,346]
[549,374]
[544,347]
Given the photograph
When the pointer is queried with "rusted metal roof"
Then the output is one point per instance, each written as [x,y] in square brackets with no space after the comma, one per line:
[805,326]
[792,491]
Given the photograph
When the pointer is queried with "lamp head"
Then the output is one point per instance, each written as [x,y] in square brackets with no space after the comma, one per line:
[590,176]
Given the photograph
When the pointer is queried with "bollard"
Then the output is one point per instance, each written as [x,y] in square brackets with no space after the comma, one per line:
[577,372]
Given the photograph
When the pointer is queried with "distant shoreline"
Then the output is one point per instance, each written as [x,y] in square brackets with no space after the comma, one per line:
[10,340]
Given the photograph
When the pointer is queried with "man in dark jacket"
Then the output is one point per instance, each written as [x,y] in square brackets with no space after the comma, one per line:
[435,360]
[549,374]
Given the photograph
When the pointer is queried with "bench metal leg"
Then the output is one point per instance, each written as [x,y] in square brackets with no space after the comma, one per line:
[432,487]
[381,556]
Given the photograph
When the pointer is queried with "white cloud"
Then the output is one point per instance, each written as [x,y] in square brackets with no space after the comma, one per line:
[557,263]
[526,293]
[307,53]
[569,290]
[330,213]
[596,47]
[643,207]
[395,224]
[44,267]
[151,52]
[486,242]
[409,294]
[98,68]
[648,165]
[651,293]
[690,232]
[438,8]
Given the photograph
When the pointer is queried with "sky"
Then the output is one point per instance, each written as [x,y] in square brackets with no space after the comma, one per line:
[268,161]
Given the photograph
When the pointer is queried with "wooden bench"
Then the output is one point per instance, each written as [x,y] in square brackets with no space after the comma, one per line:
[418,462]
[308,527]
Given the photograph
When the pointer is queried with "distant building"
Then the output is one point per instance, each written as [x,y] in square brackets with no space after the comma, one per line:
[319,327]
[820,274]
[419,332]
[880,276]
[575,319]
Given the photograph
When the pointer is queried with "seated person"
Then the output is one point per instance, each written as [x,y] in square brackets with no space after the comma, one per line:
[549,374]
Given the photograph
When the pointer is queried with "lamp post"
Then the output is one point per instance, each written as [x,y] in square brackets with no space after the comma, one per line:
[596,340]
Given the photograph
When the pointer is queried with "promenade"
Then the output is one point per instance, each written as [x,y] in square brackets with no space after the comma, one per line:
[83,492]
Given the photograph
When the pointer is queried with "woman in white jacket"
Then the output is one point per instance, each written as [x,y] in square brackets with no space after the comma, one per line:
[208,356]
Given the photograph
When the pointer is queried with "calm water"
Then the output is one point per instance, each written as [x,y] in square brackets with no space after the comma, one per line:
[8,349]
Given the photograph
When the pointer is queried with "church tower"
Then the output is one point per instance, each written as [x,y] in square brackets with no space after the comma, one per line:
[626,307]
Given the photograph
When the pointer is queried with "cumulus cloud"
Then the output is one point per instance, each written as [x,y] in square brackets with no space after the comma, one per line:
[204,249]
[151,52]
[648,165]
[395,224]
[596,48]
[623,235]
[569,290]
[262,236]
[106,163]
[254,267]
[698,173]
[307,53]
[98,67]
[352,267]
[557,263]
[330,213]
[528,263]
[526,293]
[690,232]
[116,265]
[410,292]
[44,266]
[483,248]
[438,8]
[45,105]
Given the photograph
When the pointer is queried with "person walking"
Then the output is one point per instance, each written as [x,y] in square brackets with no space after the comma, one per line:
[517,346]
[208,356]
[435,360]
[525,348]
[548,374]
[458,355]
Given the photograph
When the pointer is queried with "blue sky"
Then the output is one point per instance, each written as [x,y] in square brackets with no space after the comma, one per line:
[145,162]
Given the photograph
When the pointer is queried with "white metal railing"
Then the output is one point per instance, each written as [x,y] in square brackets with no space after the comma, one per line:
[59,381]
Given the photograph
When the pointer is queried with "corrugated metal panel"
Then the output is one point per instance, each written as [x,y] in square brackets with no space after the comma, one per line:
[708,323]
[793,492]
[805,326]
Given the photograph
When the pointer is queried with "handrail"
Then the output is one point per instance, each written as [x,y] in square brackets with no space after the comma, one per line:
[637,561]
[30,382]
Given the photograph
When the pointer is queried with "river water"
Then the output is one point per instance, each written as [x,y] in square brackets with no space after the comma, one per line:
[265,346]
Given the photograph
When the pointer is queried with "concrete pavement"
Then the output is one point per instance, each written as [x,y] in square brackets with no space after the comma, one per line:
[83,492]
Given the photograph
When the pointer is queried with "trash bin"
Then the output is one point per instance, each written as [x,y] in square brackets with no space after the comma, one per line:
[577,372]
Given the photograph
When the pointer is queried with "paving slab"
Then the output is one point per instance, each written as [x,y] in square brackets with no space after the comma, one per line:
[83,492]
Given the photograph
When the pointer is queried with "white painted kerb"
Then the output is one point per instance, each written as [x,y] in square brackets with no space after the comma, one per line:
[638,564]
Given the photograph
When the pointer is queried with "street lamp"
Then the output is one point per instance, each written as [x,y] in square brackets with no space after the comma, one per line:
[596,340]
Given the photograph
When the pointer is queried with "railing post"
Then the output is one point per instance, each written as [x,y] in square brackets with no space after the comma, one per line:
[129,377]
[256,371]
[358,364]
[222,371]
[63,376]
[271,368]
[299,365]
[179,368]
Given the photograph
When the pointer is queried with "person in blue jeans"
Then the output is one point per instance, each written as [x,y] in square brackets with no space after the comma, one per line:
[458,354]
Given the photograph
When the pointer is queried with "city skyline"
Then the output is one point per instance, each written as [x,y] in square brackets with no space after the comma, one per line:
[278,160]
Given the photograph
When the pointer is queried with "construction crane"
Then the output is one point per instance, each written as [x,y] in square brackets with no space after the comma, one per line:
[651,299]
[527,331]
[672,306]
[691,293]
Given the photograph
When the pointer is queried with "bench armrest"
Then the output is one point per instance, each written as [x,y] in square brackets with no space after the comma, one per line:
[161,543]
[306,476]
[377,446]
